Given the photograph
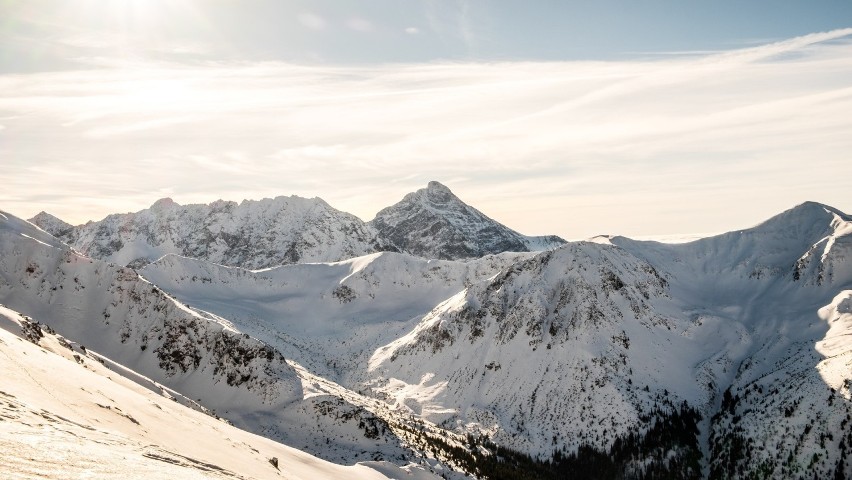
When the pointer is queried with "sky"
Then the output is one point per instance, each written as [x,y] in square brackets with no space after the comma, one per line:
[553,117]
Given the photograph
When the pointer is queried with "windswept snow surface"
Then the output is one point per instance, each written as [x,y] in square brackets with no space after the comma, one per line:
[65,413]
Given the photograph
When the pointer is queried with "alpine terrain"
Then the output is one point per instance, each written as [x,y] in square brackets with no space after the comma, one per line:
[430,341]
[432,223]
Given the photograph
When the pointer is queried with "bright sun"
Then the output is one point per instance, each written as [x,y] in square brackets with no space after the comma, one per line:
[133,26]
[135,10]
[130,14]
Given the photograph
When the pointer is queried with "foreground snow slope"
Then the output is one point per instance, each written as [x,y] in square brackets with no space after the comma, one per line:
[111,309]
[64,414]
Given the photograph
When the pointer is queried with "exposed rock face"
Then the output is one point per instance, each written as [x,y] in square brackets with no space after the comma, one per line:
[434,223]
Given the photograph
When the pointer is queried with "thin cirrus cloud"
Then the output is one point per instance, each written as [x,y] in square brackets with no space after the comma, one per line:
[312,20]
[573,148]
[359,24]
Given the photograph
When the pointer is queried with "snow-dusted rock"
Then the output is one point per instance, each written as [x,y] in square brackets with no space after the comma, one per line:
[330,316]
[252,234]
[431,223]
[51,224]
[595,342]
[434,223]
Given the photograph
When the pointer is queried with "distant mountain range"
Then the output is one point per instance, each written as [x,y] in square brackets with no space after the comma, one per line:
[445,343]
[431,223]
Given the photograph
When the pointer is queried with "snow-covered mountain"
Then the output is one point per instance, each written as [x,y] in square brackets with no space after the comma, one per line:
[434,223]
[252,234]
[69,412]
[594,344]
[431,223]
[52,225]
[115,312]
[725,357]
[563,350]
[328,317]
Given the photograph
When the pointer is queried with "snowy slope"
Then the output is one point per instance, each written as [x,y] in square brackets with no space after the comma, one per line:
[782,285]
[328,317]
[70,413]
[253,234]
[546,353]
[577,346]
[114,311]
[808,241]
[434,223]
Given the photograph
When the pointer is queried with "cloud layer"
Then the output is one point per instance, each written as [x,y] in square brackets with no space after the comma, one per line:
[672,144]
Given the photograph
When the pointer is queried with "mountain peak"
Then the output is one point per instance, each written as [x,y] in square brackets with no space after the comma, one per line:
[163,204]
[434,223]
[816,208]
[50,223]
[809,221]
[44,216]
[251,234]
[435,186]
[438,195]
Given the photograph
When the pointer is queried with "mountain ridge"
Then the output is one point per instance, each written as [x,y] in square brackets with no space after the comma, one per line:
[283,230]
